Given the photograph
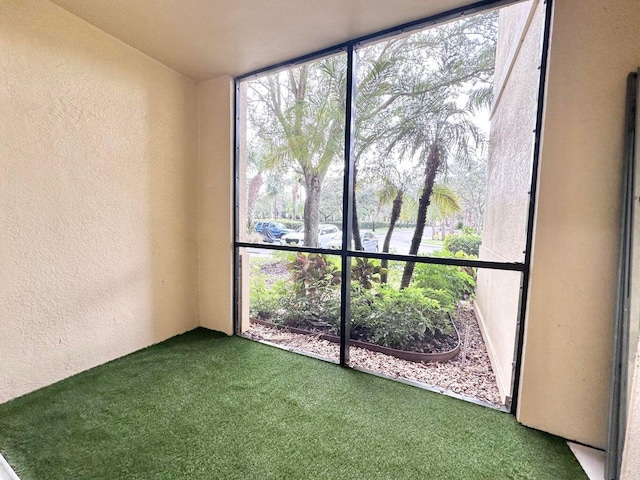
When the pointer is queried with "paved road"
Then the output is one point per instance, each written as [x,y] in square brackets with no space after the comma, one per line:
[400,242]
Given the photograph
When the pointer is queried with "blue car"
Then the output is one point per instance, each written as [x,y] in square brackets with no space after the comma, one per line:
[277,230]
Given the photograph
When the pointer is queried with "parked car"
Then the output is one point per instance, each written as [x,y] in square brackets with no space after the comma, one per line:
[276,229]
[369,242]
[325,234]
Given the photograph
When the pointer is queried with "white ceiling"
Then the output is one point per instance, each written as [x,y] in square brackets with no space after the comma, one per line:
[204,39]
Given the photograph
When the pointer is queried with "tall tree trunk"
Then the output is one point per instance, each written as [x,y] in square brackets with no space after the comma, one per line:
[355,225]
[431,170]
[395,215]
[252,197]
[312,210]
[294,193]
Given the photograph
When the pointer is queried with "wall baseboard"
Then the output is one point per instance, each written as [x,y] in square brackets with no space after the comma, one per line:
[503,386]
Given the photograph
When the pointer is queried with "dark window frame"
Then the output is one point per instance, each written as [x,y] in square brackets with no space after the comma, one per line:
[345,253]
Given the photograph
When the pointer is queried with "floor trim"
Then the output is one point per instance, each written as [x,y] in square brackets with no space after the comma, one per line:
[6,472]
[590,459]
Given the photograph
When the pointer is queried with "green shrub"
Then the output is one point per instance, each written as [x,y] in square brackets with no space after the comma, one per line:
[467,243]
[450,279]
[405,319]
[314,292]
[366,271]
[444,298]
[264,302]
[400,318]
[312,273]
[305,312]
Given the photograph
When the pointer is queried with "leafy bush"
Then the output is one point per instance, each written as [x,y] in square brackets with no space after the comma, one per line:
[312,273]
[399,318]
[450,279]
[414,318]
[314,296]
[303,311]
[264,302]
[366,271]
[468,243]
[444,298]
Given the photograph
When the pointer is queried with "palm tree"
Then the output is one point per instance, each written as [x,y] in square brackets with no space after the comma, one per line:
[448,132]
[431,123]
[394,194]
[444,204]
[375,75]
[408,103]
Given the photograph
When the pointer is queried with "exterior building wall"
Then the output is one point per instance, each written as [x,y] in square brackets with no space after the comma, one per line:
[98,152]
[567,353]
[509,175]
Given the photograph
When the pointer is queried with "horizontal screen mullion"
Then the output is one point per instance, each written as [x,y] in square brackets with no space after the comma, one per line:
[458,262]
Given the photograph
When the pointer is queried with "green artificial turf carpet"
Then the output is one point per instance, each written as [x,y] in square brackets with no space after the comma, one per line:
[205,406]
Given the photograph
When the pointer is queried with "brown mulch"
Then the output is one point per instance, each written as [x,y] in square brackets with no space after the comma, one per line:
[469,374]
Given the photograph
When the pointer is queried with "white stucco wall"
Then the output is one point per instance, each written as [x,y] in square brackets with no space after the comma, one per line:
[509,180]
[98,151]
[567,355]
[215,204]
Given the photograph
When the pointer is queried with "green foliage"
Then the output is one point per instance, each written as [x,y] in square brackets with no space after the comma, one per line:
[453,280]
[366,272]
[468,243]
[312,274]
[313,295]
[407,319]
[300,311]
[399,318]
[444,298]
[263,301]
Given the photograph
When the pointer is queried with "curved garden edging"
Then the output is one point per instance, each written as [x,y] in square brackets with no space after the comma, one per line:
[403,354]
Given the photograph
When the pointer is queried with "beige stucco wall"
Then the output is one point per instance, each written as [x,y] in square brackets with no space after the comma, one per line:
[567,356]
[98,151]
[215,190]
[509,180]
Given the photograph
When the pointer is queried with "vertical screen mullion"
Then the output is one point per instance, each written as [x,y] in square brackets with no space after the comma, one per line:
[347,203]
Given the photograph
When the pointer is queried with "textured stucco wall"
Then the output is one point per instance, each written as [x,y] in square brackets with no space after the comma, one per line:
[509,176]
[567,356]
[215,182]
[98,165]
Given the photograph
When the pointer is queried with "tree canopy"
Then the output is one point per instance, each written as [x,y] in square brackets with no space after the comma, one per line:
[415,118]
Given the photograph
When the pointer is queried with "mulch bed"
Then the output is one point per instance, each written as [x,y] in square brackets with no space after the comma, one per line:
[468,374]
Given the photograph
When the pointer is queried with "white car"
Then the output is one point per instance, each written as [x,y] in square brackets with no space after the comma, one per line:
[325,234]
[369,242]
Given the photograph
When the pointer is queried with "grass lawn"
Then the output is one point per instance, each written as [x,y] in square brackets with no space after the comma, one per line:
[205,406]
